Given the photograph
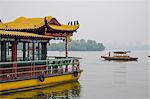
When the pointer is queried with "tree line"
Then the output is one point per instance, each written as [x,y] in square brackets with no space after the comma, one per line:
[78,45]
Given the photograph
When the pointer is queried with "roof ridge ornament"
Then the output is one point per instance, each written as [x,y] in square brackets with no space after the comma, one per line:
[69,23]
[77,22]
[74,22]
[45,20]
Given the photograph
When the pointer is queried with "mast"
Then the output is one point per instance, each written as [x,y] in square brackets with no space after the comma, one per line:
[66,46]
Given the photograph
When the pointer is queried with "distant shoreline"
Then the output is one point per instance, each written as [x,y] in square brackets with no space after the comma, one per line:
[78,45]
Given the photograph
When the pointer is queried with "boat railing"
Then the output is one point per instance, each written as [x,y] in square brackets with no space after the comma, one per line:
[49,60]
[48,57]
[34,74]
[47,71]
[30,69]
[8,59]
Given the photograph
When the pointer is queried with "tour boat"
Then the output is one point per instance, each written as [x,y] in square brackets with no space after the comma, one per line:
[119,55]
[24,63]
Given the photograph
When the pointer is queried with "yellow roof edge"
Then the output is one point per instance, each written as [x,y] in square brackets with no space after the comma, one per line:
[25,23]
[16,33]
[65,27]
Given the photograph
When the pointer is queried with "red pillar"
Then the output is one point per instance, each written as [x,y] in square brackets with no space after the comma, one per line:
[15,58]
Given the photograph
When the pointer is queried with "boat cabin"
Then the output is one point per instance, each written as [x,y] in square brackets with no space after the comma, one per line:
[120,54]
[23,48]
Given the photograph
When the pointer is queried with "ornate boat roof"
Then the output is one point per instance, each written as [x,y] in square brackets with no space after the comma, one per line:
[24,23]
[38,24]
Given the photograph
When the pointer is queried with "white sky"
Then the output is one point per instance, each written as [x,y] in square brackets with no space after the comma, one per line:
[149,21]
[106,21]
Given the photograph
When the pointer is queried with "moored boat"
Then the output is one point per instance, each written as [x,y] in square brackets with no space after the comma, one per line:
[119,55]
[31,36]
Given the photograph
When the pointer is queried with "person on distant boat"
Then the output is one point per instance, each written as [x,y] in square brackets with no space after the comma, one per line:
[109,54]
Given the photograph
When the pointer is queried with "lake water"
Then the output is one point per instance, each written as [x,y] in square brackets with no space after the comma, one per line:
[99,80]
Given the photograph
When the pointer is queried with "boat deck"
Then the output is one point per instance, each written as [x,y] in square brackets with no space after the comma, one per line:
[51,67]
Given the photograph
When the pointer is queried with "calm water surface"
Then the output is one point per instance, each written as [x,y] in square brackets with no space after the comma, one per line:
[100,80]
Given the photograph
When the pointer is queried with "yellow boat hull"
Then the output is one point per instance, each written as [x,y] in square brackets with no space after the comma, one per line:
[36,83]
[48,91]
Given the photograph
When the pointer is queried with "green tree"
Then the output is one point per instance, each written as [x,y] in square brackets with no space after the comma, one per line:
[78,45]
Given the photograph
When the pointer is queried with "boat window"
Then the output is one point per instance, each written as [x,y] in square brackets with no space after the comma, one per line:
[20,51]
[8,51]
[38,51]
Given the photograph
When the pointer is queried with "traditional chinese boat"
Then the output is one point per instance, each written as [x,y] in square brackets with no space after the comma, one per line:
[119,55]
[24,63]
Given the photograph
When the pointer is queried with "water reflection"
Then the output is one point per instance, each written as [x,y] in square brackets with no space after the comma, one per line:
[62,91]
[120,75]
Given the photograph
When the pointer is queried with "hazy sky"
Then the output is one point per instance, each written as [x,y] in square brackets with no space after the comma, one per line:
[149,21]
[106,21]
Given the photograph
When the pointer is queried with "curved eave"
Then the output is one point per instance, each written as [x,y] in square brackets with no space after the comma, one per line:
[24,34]
[22,23]
[19,27]
[68,28]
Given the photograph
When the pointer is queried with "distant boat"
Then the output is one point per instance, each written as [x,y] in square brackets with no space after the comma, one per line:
[148,56]
[119,55]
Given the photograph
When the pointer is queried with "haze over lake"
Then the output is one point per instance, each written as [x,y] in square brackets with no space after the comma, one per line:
[119,24]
